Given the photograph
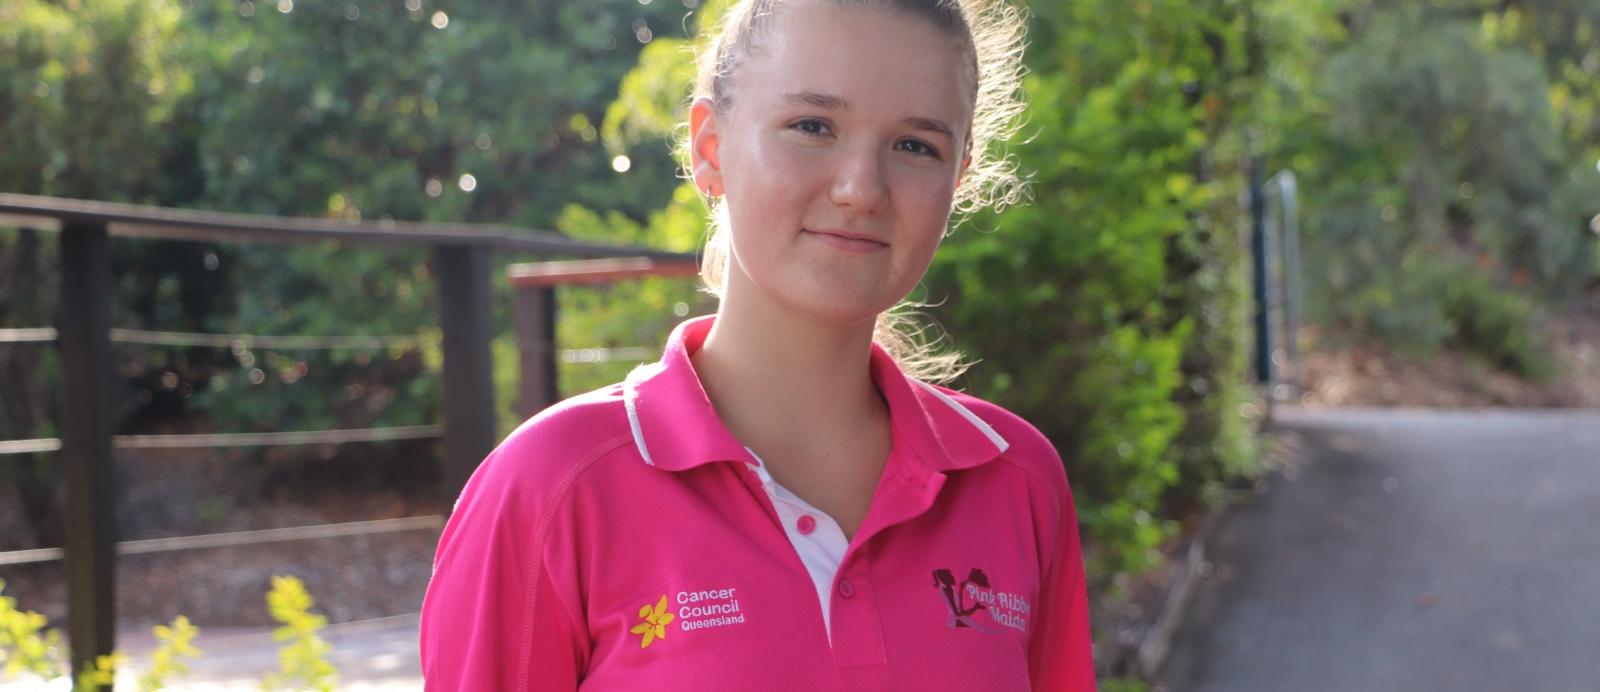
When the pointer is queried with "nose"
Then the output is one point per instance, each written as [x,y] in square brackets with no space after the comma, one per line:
[859,184]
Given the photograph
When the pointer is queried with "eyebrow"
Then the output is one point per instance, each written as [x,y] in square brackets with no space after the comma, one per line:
[838,103]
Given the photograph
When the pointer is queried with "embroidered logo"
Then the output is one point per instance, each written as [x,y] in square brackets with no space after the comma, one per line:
[655,622]
[708,608]
[1003,609]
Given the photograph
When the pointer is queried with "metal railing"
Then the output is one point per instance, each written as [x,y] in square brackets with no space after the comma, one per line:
[1275,245]
[460,260]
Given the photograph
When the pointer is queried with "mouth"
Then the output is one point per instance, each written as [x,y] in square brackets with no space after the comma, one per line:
[849,241]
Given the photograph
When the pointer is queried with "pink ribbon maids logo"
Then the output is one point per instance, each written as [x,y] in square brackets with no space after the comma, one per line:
[1003,609]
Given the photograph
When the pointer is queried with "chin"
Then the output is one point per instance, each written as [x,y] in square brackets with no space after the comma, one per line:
[836,309]
[821,296]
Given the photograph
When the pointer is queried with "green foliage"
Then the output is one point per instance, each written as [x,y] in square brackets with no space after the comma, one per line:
[303,660]
[650,105]
[650,98]
[166,661]
[86,84]
[24,645]
[1497,325]
[102,673]
[1123,685]
[386,115]
[1440,176]
[636,313]
[1562,35]
[334,291]
[1093,306]
[329,110]
[177,643]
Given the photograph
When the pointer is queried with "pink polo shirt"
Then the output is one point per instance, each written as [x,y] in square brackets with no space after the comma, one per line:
[625,540]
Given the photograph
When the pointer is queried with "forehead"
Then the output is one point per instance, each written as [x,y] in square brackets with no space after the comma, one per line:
[879,61]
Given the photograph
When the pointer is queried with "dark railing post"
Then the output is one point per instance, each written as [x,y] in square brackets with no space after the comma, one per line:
[535,317]
[1258,247]
[468,378]
[83,327]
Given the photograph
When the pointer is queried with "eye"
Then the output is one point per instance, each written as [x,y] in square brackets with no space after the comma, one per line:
[916,146]
[810,126]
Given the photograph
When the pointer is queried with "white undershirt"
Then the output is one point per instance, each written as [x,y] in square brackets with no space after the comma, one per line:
[820,550]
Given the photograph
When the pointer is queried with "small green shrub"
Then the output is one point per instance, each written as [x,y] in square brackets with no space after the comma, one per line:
[1497,325]
[303,660]
[177,643]
[24,646]
[102,674]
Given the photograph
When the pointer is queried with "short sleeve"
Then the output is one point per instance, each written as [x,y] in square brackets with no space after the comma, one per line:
[1061,653]
[494,617]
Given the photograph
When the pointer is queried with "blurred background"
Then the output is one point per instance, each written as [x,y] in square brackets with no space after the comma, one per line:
[1419,180]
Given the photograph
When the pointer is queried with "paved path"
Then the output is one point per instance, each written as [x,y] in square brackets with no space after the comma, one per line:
[1408,550]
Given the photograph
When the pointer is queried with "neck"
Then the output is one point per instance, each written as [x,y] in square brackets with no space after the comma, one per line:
[778,380]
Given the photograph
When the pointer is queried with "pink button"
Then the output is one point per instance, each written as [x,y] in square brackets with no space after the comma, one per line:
[846,589]
[806,524]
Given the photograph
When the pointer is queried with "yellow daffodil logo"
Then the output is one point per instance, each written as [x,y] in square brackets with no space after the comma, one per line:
[655,622]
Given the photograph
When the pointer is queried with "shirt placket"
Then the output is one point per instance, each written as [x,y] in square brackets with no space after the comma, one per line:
[853,621]
[815,536]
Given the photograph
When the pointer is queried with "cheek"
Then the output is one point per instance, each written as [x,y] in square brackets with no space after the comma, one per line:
[924,205]
[924,209]
[772,183]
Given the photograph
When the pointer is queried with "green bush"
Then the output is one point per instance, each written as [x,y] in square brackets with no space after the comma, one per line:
[303,659]
[1108,310]
[1497,325]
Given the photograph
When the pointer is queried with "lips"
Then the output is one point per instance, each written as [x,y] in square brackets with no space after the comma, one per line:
[849,241]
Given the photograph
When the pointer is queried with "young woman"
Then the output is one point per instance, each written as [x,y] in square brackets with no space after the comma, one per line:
[779,504]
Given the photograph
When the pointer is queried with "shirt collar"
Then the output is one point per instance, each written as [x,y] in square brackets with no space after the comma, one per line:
[675,427]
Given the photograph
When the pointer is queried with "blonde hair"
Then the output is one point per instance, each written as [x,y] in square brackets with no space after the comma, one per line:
[992,33]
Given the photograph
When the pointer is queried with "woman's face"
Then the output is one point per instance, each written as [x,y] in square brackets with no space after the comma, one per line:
[838,158]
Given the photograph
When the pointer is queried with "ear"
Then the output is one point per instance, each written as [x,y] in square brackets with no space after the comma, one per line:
[704,144]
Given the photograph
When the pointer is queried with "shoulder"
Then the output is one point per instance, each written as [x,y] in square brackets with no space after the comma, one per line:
[1026,447]
[539,461]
